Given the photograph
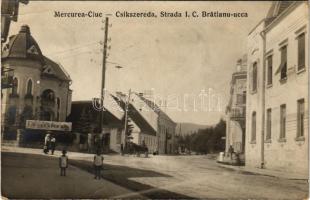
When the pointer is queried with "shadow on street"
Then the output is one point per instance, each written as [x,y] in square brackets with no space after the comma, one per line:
[121,175]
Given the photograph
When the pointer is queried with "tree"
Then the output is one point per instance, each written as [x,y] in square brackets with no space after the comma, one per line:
[207,140]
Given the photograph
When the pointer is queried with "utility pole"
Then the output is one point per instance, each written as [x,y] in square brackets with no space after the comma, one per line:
[103,71]
[126,118]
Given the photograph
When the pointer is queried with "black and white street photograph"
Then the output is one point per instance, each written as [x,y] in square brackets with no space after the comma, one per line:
[154,99]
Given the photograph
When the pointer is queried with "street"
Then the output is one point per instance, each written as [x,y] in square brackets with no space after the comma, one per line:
[29,174]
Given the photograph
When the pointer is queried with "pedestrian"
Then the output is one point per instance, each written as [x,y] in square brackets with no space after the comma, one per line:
[53,144]
[63,163]
[46,143]
[231,151]
[98,164]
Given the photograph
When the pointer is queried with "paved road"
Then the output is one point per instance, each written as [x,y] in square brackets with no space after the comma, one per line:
[189,177]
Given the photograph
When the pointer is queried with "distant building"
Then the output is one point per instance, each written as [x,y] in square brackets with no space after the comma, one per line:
[277,97]
[41,87]
[157,129]
[151,126]
[85,118]
[235,111]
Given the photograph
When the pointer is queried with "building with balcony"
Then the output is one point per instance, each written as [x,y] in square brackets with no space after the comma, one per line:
[235,110]
[40,89]
[277,90]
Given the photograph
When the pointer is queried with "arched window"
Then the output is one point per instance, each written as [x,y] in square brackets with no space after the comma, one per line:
[15,86]
[29,87]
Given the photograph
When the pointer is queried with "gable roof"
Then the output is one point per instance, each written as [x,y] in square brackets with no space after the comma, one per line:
[136,117]
[155,108]
[56,70]
[78,107]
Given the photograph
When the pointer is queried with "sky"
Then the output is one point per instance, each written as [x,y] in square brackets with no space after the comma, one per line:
[178,59]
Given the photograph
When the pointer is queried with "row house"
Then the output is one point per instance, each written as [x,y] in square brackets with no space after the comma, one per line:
[277,97]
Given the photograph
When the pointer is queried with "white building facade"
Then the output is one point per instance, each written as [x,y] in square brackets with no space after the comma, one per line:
[277,97]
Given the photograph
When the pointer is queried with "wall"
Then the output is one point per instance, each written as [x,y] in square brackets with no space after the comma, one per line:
[254,99]
[23,71]
[291,155]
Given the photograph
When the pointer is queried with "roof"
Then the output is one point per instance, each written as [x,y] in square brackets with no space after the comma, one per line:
[78,107]
[57,70]
[155,108]
[22,45]
[276,9]
[137,118]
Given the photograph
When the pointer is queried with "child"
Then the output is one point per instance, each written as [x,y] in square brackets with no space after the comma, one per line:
[98,163]
[63,163]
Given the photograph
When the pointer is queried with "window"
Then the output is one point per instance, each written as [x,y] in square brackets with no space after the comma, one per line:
[29,87]
[240,99]
[300,117]
[15,86]
[282,121]
[268,134]
[283,66]
[269,70]
[301,51]
[253,138]
[244,97]
[254,77]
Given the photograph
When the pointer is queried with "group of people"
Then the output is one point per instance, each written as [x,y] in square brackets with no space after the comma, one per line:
[49,144]
[97,163]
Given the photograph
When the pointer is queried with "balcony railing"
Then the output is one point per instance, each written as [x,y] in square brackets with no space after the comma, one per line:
[237,113]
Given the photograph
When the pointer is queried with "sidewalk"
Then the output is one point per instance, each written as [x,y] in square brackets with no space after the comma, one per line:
[267,172]
[37,176]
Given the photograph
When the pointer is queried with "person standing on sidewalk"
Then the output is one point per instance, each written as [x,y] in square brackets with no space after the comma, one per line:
[231,151]
[53,144]
[46,143]
[63,163]
[98,164]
